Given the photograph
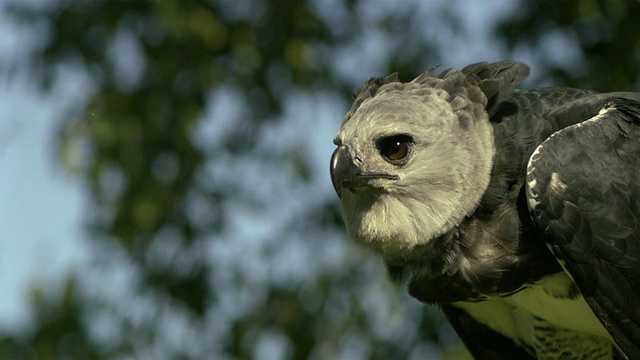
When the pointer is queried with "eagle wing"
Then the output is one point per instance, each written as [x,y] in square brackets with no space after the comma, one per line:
[583,192]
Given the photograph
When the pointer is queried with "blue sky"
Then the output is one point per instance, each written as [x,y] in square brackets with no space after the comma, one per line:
[40,205]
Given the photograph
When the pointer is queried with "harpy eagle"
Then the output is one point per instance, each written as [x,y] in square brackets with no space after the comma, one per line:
[516,211]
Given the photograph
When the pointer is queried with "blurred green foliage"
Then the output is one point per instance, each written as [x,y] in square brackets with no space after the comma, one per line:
[162,190]
[604,33]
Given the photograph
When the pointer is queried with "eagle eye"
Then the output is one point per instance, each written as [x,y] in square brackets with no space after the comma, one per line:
[394,148]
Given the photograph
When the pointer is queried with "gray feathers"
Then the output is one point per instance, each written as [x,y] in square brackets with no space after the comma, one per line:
[445,173]
[494,80]
[448,167]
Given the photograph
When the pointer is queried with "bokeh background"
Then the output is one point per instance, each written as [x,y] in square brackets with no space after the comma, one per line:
[164,186]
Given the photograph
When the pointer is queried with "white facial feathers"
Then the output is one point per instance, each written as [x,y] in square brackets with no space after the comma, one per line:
[443,177]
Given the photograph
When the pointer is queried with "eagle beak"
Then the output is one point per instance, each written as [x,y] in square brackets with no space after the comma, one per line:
[347,174]
[343,168]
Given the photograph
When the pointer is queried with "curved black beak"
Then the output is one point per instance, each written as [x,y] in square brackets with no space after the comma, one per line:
[347,174]
[342,168]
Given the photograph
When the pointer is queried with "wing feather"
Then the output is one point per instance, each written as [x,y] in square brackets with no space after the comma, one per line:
[583,189]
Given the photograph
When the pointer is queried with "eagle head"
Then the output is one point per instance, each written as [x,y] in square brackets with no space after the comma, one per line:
[413,159]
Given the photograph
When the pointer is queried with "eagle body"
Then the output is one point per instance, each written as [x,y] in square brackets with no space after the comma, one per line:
[516,211]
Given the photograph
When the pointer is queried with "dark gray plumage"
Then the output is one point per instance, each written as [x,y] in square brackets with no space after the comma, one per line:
[517,211]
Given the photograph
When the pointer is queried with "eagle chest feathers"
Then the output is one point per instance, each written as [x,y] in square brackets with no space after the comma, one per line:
[515,211]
